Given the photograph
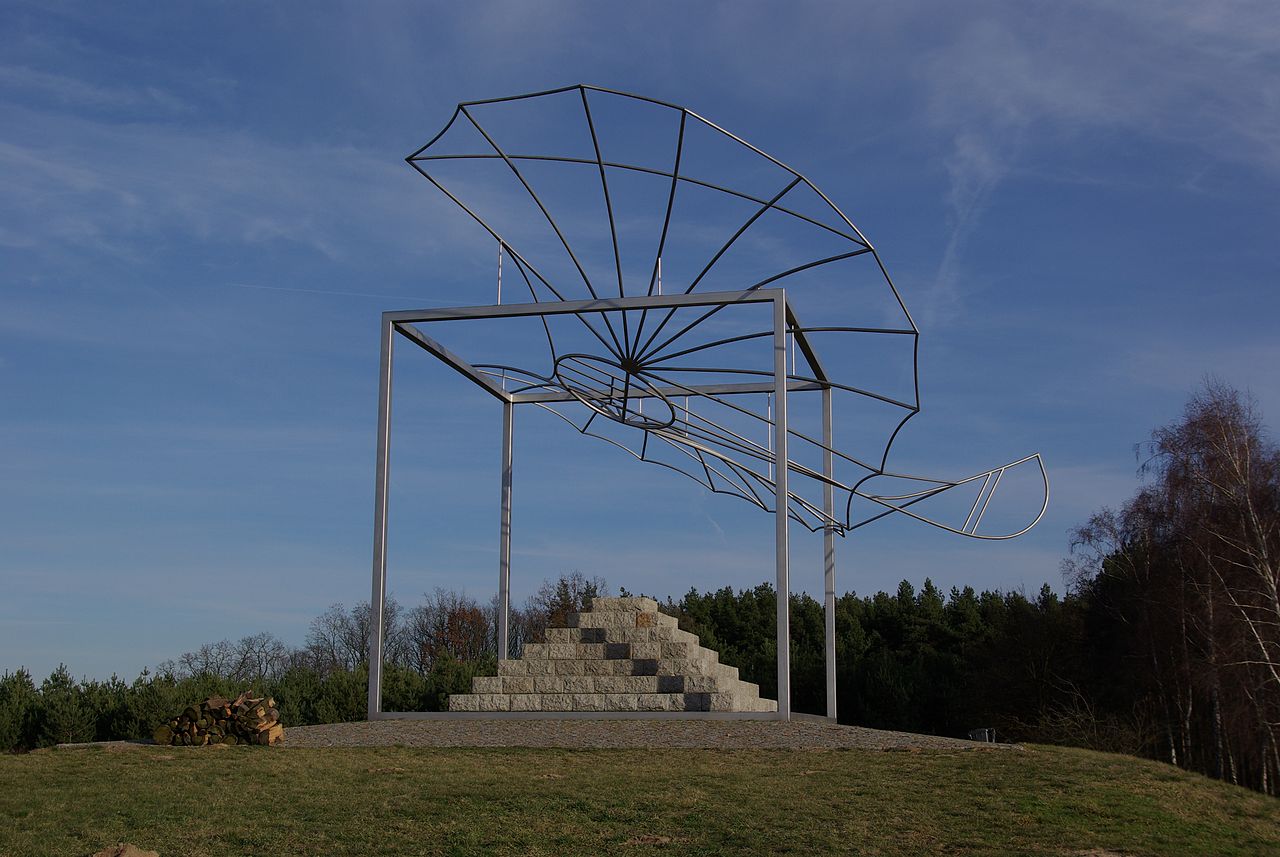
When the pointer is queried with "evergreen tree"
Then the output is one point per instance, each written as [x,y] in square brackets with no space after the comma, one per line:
[65,718]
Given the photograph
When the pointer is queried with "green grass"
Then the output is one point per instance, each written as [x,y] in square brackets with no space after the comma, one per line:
[244,800]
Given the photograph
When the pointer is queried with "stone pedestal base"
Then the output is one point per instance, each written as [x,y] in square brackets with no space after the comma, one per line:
[621,655]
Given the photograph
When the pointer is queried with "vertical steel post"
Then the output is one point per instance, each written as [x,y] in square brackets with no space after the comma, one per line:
[377,600]
[781,544]
[829,550]
[504,534]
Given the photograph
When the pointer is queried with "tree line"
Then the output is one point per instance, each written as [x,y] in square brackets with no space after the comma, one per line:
[1166,643]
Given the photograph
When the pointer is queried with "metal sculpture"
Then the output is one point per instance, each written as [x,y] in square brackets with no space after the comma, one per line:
[675,373]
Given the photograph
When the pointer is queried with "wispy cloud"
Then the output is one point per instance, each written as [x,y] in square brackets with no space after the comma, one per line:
[70,91]
[76,184]
[1003,87]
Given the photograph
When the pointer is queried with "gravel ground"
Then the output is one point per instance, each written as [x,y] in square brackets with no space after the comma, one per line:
[619,734]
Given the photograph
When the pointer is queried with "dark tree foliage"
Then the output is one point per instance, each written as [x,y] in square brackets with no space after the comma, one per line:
[1184,586]
[916,661]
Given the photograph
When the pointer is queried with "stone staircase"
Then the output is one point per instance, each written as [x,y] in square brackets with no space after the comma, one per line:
[621,655]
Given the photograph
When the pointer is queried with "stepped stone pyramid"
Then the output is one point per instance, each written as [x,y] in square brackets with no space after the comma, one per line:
[621,655]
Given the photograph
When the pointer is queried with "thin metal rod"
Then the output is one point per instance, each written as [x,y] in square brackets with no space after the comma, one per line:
[829,549]
[644,350]
[521,263]
[414,160]
[780,510]
[651,352]
[994,485]
[550,221]
[705,390]
[974,508]
[504,534]
[377,598]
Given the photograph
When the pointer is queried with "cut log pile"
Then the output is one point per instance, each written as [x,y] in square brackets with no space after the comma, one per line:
[244,720]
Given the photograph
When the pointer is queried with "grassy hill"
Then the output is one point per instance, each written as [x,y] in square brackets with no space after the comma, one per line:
[243,800]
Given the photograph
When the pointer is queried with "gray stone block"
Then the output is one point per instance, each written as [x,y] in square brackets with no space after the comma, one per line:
[623,701]
[697,702]
[628,604]
[562,651]
[627,684]
[557,702]
[464,702]
[650,650]
[539,667]
[513,666]
[643,666]
[604,668]
[726,673]
[574,667]
[605,620]
[672,666]
[682,651]
[724,702]
[548,684]
[659,702]
[701,684]
[493,701]
[614,651]
[526,702]
[590,702]
[518,684]
[486,684]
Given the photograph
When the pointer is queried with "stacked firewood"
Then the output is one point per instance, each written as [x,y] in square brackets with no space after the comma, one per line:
[244,720]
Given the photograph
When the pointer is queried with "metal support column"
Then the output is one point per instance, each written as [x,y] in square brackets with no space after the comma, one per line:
[829,550]
[781,505]
[504,534]
[377,599]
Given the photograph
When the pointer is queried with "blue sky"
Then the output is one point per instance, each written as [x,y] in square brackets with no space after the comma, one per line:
[203,210]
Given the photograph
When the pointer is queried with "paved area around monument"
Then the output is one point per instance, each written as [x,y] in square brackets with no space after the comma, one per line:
[621,734]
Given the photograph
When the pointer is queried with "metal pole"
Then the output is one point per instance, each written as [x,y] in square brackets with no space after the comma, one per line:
[781,545]
[829,550]
[504,534]
[377,600]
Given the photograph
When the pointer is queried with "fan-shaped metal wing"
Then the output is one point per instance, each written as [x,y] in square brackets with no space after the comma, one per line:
[593,194]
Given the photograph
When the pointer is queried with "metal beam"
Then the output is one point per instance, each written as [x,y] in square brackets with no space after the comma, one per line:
[809,354]
[377,600]
[427,343]
[829,550]
[750,296]
[781,505]
[504,534]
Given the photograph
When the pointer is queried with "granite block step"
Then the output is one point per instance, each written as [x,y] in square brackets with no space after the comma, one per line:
[607,702]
